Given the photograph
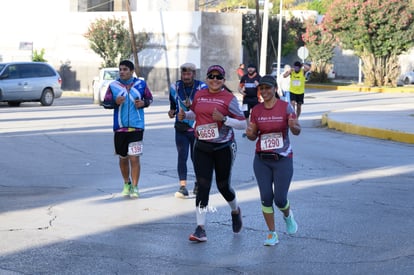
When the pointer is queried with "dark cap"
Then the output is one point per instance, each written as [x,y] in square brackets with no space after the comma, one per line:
[251,66]
[217,68]
[297,64]
[268,80]
[188,67]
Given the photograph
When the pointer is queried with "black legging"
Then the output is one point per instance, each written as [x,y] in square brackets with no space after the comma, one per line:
[209,158]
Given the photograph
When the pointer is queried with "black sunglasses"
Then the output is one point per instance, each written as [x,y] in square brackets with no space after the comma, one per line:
[216,76]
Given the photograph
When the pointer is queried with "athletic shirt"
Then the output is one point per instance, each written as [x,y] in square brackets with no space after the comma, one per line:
[273,121]
[126,116]
[249,84]
[180,93]
[297,82]
[225,102]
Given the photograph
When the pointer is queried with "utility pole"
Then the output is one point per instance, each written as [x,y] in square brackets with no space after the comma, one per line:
[134,46]
[279,42]
[263,51]
[258,25]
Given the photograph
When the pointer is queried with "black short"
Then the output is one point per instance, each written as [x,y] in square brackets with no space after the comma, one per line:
[123,139]
[297,98]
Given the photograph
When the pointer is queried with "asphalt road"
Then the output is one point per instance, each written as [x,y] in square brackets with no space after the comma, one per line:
[61,211]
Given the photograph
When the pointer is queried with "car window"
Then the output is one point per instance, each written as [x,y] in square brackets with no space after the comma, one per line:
[44,70]
[12,71]
[35,70]
[26,70]
[110,75]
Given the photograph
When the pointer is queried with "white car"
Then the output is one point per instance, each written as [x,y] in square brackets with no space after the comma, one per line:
[100,84]
[407,78]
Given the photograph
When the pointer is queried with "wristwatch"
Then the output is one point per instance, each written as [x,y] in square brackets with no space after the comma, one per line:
[224,119]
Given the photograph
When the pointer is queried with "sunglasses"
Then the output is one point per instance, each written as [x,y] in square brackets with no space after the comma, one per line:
[216,76]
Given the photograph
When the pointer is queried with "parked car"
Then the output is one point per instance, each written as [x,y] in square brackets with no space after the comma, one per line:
[29,81]
[407,78]
[100,84]
[274,69]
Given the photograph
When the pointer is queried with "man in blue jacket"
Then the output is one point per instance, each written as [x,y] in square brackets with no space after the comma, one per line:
[181,96]
[131,96]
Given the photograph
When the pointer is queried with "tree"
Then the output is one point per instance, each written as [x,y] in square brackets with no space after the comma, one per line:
[319,5]
[110,40]
[320,44]
[250,37]
[378,31]
[39,56]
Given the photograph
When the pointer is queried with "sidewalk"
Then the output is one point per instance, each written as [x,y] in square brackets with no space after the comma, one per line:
[386,121]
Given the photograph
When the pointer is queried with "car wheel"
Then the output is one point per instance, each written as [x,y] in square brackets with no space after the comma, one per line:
[406,81]
[14,103]
[47,97]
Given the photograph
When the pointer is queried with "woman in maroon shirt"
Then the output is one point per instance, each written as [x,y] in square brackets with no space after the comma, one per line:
[216,112]
[270,123]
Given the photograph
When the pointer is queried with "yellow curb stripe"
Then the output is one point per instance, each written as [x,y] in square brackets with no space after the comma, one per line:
[367,131]
[362,89]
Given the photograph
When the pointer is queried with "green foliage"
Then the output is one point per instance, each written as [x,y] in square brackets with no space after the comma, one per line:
[377,30]
[110,40]
[320,44]
[320,6]
[291,37]
[39,56]
[250,37]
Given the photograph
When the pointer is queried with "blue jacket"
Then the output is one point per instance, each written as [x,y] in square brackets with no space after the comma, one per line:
[179,94]
[126,116]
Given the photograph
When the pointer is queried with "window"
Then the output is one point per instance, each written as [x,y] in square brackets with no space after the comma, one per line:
[12,71]
[102,5]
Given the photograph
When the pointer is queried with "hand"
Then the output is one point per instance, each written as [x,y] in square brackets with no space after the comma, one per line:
[294,125]
[171,113]
[120,99]
[139,103]
[217,116]
[251,131]
[292,122]
[181,115]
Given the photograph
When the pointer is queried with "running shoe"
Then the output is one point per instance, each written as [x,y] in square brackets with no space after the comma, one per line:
[237,221]
[127,189]
[291,225]
[182,192]
[195,190]
[271,239]
[199,235]
[134,192]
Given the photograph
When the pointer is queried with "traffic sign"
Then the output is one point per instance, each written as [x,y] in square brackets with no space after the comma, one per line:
[303,53]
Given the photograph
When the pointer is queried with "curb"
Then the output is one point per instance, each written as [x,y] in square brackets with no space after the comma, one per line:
[356,88]
[366,131]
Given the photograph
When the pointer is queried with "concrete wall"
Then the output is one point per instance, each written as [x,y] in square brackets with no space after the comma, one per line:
[221,44]
[175,38]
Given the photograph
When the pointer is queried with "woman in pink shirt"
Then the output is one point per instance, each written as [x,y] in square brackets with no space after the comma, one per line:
[216,112]
[270,123]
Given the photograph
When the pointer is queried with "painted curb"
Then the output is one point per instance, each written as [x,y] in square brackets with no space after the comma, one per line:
[355,88]
[366,131]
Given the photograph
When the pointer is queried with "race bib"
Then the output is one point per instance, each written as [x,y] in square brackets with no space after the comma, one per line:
[244,107]
[271,141]
[135,148]
[208,131]
[296,82]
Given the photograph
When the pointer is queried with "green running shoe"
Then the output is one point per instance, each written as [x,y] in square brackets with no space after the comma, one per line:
[127,189]
[134,192]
